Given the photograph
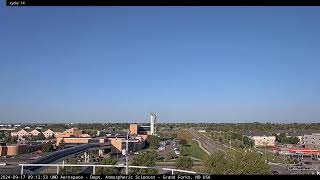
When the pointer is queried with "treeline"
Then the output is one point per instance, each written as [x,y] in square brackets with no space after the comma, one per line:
[243,127]
[284,139]
[236,139]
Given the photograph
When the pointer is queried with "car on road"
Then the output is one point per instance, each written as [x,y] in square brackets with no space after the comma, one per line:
[308,163]
[275,173]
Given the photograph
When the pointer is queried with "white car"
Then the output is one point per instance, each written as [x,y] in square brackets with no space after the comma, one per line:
[177,152]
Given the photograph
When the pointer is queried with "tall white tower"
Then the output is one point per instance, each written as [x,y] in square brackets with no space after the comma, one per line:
[153,118]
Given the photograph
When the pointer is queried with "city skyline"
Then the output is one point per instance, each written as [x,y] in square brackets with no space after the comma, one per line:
[186,64]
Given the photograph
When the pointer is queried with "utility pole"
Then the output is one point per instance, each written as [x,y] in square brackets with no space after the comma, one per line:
[127,147]
[242,139]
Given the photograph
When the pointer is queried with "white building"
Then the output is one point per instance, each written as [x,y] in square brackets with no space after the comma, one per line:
[262,139]
[311,141]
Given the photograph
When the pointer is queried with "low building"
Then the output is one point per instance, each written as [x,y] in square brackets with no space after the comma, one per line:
[48,133]
[69,133]
[71,140]
[134,129]
[262,139]
[20,133]
[138,129]
[119,144]
[34,132]
[16,149]
[72,136]
[311,141]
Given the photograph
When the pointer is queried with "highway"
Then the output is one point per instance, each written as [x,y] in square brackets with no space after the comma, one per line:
[207,143]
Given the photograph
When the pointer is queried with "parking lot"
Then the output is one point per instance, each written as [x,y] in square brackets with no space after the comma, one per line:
[168,147]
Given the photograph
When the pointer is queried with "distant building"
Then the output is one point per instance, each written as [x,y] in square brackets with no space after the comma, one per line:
[20,133]
[16,149]
[297,133]
[262,139]
[48,133]
[69,133]
[311,141]
[134,129]
[34,132]
[73,140]
[119,144]
[72,136]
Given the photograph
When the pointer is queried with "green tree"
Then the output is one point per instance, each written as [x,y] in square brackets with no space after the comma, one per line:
[152,141]
[12,139]
[174,135]
[169,155]
[41,136]
[62,144]
[216,163]
[184,163]
[108,170]
[293,140]
[48,147]
[239,163]
[145,159]
[183,142]
[184,151]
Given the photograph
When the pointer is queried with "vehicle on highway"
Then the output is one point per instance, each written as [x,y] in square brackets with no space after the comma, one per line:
[308,163]
[275,173]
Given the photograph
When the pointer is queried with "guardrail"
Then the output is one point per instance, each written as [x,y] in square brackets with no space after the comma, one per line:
[107,166]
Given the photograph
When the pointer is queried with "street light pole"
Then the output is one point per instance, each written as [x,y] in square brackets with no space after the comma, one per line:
[127,144]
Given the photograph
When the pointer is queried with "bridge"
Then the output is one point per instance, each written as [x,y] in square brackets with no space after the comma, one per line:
[63,154]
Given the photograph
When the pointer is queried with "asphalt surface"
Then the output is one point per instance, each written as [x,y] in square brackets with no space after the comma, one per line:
[207,143]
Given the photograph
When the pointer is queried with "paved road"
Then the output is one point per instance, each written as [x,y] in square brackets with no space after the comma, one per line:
[209,144]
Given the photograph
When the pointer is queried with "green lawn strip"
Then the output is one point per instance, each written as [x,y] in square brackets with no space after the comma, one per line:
[195,151]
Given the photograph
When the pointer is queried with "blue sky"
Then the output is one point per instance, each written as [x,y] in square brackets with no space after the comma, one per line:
[187,64]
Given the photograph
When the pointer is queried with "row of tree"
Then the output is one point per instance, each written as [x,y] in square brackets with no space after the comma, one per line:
[284,139]
[236,139]
[237,163]
[242,127]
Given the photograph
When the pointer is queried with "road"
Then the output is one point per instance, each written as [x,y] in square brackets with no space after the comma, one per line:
[207,143]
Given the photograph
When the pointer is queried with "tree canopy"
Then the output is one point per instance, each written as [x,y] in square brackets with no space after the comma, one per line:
[145,159]
[152,142]
[239,163]
[184,163]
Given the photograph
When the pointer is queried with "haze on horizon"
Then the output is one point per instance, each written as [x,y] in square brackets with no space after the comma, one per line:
[187,64]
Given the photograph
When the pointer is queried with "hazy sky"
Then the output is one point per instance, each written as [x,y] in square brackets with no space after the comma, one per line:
[187,64]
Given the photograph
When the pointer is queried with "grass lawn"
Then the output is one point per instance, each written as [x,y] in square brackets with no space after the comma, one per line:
[195,151]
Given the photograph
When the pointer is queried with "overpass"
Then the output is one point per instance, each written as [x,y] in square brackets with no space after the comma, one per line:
[63,154]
